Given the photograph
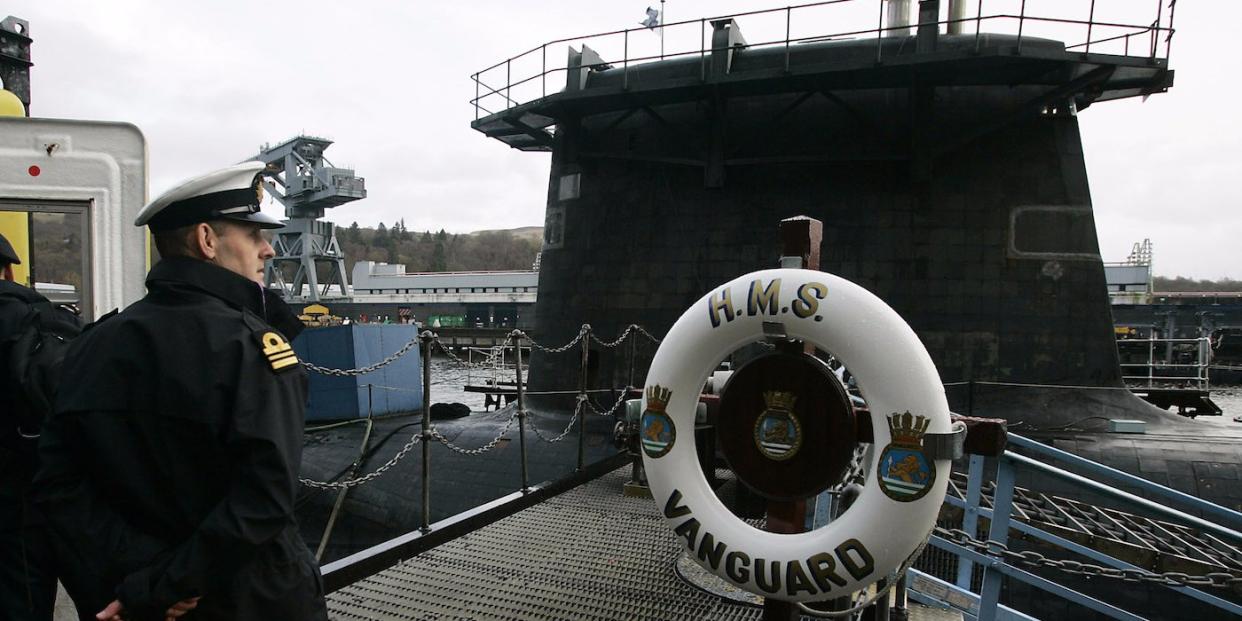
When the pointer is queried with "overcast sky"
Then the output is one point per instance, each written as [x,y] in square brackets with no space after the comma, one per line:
[209,82]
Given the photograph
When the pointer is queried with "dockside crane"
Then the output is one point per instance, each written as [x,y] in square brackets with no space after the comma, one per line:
[307,184]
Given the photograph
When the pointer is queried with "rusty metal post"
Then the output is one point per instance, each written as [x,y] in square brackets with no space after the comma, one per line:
[800,237]
[581,409]
[900,611]
[521,406]
[426,338]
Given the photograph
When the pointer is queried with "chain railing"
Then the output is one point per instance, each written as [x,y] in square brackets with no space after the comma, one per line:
[430,342]
[371,476]
[439,437]
[572,420]
[405,349]
[1031,558]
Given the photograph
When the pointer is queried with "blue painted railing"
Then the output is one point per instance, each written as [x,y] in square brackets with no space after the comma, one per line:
[984,606]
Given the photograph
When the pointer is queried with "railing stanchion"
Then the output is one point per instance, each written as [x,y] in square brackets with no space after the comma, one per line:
[702,51]
[788,10]
[521,406]
[353,472]
[476,96]
[1155,34]
[633,353]
[1021,23]
[1002,505]
[970,519]
[625,61]
[508,83]
[543,75]
[1090,23]
[426,339]
[581,409]
[1168,40]
[879,35]
[901,600]
[978,22]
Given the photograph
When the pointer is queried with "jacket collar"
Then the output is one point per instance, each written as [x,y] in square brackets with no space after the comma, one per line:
[234,289]
[21,292]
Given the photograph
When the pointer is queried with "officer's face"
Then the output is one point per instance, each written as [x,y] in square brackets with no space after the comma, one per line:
[242,249]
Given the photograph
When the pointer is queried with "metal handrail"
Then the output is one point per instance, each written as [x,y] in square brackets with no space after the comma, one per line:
[1136,500]
[1155,28]
[1093,554]
[1201,366]
[996,561]
[1224,514]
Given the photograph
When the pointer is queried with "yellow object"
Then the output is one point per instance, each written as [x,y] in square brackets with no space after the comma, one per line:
[15,226]
[10,105]
[315,309]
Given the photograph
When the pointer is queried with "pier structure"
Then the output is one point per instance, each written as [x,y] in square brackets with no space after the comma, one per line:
[942,154]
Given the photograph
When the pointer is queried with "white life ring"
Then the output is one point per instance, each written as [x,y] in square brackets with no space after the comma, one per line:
[888,522]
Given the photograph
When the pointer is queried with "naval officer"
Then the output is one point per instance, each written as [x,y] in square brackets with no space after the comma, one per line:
[169,467]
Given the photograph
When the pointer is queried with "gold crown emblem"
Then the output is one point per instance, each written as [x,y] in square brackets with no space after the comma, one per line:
[907,429]
[778,400]
[657,398]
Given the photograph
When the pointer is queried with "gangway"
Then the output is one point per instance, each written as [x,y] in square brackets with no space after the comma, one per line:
[1078,535]
[1197,556]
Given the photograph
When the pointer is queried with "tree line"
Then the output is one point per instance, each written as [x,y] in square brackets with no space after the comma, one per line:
[425,251]
[1181,283]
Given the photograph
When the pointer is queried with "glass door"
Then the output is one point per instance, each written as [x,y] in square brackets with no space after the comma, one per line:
[53,241]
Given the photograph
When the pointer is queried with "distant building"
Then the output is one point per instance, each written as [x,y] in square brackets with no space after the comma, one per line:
[372,279]
[385,293]
[1130,281]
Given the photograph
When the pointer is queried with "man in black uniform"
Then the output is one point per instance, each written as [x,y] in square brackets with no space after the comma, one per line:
[27,584]
[170,464]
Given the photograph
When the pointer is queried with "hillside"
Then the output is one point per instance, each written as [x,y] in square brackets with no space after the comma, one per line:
[425,251]
[534,233]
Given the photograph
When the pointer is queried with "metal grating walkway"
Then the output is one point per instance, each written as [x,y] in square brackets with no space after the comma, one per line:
[590,554]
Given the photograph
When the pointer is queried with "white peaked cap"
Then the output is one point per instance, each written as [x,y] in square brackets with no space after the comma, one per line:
[232,193]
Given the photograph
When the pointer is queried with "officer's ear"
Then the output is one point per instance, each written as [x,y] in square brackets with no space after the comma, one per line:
[205,241]
[6,272]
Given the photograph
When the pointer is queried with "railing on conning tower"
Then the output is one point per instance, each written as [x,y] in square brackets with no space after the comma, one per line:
[1111,27]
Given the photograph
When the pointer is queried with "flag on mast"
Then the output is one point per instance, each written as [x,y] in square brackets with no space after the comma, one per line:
[653,19]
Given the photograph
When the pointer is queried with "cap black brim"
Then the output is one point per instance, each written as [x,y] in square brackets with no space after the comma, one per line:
[263,220]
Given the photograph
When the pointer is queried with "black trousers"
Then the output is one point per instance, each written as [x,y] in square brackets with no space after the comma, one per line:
[27,577]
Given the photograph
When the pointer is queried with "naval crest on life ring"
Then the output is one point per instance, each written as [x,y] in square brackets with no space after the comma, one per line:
[905,473]
[658,431]
[778,434]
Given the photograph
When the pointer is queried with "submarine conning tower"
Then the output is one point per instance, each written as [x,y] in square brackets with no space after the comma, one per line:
[942,154]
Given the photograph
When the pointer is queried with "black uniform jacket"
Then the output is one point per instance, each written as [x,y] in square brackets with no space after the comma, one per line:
[17,457]
[169,467]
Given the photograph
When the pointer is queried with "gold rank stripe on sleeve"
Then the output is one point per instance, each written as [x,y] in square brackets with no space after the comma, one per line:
[279,354]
